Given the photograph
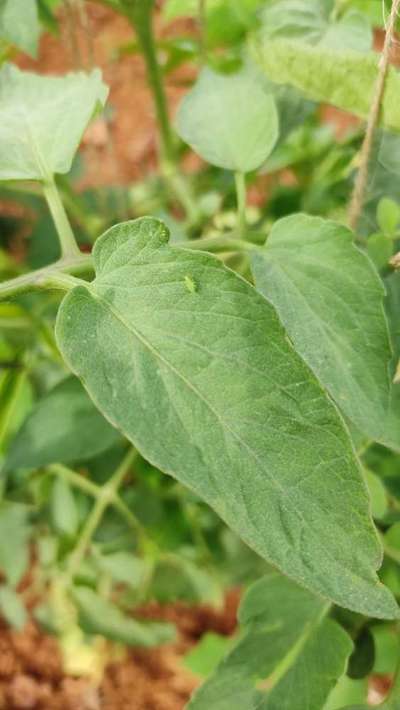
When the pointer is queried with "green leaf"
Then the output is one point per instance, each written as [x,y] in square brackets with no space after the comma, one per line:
[99,616]
[347,691]
[226,20]
[374,11]
[122,567]
[19,24]
[47,15]
[209,390]
[229,120]
[379,250]
[287,643]
[344,79]
[387,651]
[179,8]
[63,509]
[178,578]
[63,427]
[204,658]
[14,536]
[15,402]
[12,608]
[42,119]
[388,216]
[379,498]
[330,300]
[312,21]
[392,430]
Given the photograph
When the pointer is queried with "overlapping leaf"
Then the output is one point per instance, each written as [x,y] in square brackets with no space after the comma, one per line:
[312,21]
[330,299]
[230,120]
[64,426]
[205,383]
[42,119]
[287,643]
[344,79]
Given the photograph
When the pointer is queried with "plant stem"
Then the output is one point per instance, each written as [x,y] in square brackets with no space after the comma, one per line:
[48,277]
[139,13]
[69,247]
[360,187]
[181,189]
[56,275]
[75,479]
[218,244]
[95,491]
[130,518]
[105,497]
[240,182]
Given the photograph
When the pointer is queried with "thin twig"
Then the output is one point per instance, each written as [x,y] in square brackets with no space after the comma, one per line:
[357,200]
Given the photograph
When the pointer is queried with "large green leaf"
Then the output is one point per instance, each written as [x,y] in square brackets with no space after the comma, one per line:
[42,119]
[194,366]
[344,79]
[313,21]
[19,24]
[330,300]
[63,427]
[229,120]
[287,645]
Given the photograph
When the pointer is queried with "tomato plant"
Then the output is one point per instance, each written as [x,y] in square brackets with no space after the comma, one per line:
[251,354]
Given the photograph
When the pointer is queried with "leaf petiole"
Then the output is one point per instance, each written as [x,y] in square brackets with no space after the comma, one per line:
[68,243]
[106,496]
[240,182]
[53,276]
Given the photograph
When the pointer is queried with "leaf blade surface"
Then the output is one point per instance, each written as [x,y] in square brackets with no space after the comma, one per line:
[208,388]
[42,120]
[331,302]
[286,643]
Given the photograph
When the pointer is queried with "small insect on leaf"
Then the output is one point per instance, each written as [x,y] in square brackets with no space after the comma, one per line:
[190,284]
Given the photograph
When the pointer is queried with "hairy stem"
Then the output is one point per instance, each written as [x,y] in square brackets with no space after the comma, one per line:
[69,247]
[221,243]
[95,491]
[358,197]
[48,277]
[240,182]
[182,191]
[139,13]
[105,497]
[74,479]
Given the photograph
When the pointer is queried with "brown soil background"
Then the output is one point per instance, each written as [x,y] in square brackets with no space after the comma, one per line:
[32,678]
